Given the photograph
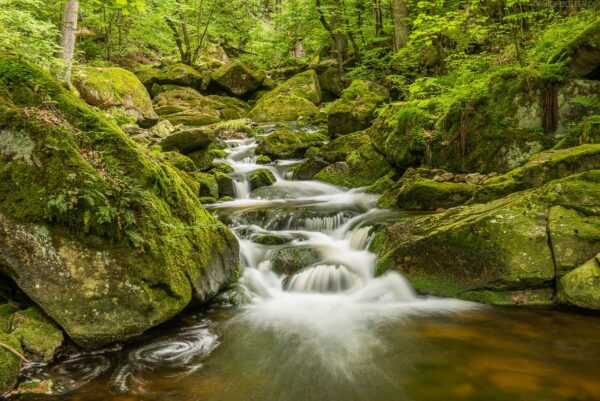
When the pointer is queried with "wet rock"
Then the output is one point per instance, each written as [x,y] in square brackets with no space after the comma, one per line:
[308,169]
[261,178]
[209,187]
[225,184]
[112,88]
[175,75]
[272,239]
[239,78]
[179,161]
[292,260]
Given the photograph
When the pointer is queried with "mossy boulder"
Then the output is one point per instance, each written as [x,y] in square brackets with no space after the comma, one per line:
[340,148]
[38,335]
[540,169]
[102,235]
[582,53]
[10,364]
[292,100]
[179,161]
[188,107]
[187,141]
[304,85]
[239,78]
[208,187]
[522,243]
[6,312]
[262,177]
[272,239]
[283,108]
[308,169]
[109,88]
[362,168]
[292,260]
[414,192]
[580,287]
[288,144]
[331,82]
[225,184]
[355,110]
[176,74]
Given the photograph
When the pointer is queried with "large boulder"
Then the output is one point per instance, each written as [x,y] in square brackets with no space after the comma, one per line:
[109,88]
[175,74]
[580,286]
[582,53]
[287,144]
[294,99]
[104,237]
[262,177]
[188,107]
[361,168]
[355,110]
[187,141]
[238,78]
[511,250]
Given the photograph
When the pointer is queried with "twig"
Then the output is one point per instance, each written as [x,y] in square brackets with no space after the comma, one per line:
[14,351]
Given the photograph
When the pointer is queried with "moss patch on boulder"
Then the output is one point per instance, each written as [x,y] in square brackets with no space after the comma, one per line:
[262,177]
[176,74]
[287,144]
[103,236]
[283,108]
[581,286]
[38,335]
[239,78]
[109,88]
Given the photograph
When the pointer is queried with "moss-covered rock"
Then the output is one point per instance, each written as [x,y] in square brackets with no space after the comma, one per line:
[355,110]
[540,169]
[225,184]
[103,236]
[330,81]
[272,239]
[208,187]
[175,74]
[239,78]
[6,312]
[10,364]
[582,53]
[188,107]
[292,260]
[362,168]
[262,177]
[304,85]
[287,144]
[507,245]
[308,169]
[414,192]
[580,287]
[340,148]
[179,161]
[38,335]
[109,88]
[187,141]
[283,108]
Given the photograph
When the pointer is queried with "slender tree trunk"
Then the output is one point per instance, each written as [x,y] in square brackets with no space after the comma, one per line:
[68,36]
[399,25]
[378,17]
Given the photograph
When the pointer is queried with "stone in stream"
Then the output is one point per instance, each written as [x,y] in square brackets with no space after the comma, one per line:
[262,177]
[225,184]
[288,144]
[39,336]
[291,260]
[105,238]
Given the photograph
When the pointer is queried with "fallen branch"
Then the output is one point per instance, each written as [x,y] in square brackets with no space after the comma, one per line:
[14,351]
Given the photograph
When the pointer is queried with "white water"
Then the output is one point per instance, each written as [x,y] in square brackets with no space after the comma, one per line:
[335,298]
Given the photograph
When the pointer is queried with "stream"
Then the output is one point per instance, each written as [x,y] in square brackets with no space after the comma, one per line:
[333,331]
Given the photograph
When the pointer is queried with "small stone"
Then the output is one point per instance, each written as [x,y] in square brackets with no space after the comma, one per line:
[448,176]
[438,178]
[475,178]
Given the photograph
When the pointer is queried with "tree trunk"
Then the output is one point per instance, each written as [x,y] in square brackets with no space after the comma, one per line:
[378,17]
[68,36]
[399,25]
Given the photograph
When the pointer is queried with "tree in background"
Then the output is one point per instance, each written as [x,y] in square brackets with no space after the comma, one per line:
[68,36]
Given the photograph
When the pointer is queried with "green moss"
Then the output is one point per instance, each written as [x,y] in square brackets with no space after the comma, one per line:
[261,178]
[179,161]
[110,88]
[208,185]
[340,148]
[362,168]
[238,77]
[175,74]
[93,185]
[288,144]
[283,108]
[426,194]
[6,312]
[38,335]
[304,85]
[263,159]
[580,286]
[10,365]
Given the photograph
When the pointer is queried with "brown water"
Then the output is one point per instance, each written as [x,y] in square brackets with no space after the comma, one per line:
[484,354]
